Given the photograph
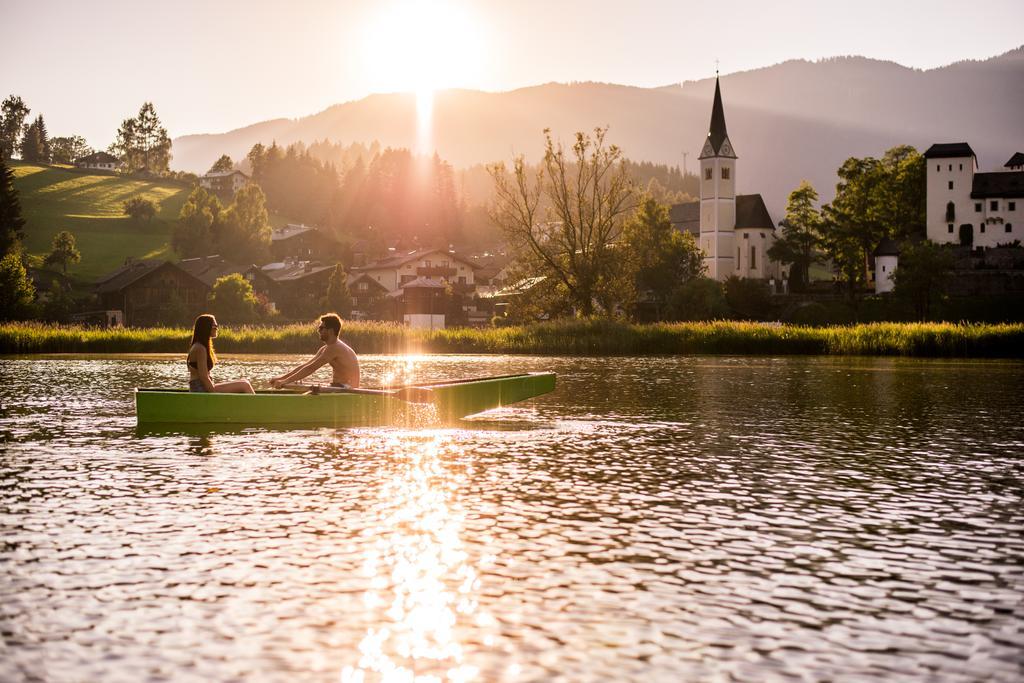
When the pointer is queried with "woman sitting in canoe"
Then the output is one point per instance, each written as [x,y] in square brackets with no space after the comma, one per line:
[343,361]
[201,359]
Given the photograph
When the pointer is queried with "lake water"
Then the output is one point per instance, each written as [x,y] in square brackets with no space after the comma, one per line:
[655,519]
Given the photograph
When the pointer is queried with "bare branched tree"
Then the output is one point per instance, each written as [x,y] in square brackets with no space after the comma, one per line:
[565,220]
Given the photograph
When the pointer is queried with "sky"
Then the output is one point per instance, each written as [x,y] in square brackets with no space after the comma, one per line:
[210,66]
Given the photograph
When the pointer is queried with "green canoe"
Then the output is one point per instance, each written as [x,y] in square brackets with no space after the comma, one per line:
[450,400]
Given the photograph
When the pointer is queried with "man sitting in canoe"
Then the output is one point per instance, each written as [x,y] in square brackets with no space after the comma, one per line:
[334,351]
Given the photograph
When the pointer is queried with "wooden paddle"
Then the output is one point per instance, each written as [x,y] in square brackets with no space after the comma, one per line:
[410,394]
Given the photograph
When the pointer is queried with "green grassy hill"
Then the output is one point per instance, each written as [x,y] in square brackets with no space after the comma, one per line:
[89,205]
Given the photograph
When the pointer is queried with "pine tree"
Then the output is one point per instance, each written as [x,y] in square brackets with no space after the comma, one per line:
[11,222]
[32,144]
[338,300]
[45,153]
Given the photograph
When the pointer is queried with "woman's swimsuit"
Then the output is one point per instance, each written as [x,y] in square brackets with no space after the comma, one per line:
[195,385]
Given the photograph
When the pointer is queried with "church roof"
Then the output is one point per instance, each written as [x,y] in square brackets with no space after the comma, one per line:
[752,213]
[949,150]
[717,134]
[1016,160]
[887,247]
[997,185]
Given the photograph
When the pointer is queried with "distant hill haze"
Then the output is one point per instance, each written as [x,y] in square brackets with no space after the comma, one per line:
[787,122]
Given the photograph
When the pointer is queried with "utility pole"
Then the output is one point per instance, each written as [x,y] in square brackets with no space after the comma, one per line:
[685,154]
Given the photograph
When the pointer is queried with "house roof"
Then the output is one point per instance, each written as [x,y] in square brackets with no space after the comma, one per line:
[291,230]
[399,260]
[224,174]
[887,247]
[209,269]
[421,282]
[1016,160]
[133,271]
[685,217]
[997,185]
[290,272]
[949,150]
[97,158]
[125,275]
[365,277]
[752,213]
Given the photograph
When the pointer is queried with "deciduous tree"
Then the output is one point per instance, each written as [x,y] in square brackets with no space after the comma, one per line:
[65,150]
[246,229]
[139,208]
[564,222]
[142,142]
[197,232]
[16,289]
[801,235]
[222,165]
[12,122]
[232,299]
[922,274]
[63,251]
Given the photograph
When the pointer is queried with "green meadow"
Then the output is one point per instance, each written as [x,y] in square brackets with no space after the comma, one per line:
[576,337]
[55,198]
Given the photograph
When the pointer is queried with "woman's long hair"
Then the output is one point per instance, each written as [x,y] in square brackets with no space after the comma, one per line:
[201,335]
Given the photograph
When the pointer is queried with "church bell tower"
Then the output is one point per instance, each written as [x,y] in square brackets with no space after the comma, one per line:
[718,195]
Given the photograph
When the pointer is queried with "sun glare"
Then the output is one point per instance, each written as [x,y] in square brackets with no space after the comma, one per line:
[421,46]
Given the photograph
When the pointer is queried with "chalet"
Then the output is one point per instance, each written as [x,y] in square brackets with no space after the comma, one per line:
[151,292]
[100,161]
[294,287]
[369,297]
[396,271]
[302,242]
[225,183]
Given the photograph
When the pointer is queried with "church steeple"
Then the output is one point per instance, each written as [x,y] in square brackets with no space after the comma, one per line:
[718,143]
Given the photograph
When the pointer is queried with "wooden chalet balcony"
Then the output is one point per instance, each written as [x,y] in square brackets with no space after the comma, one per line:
[436,271]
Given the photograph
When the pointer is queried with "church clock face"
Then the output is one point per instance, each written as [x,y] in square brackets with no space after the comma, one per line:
[708,151]
[727,150]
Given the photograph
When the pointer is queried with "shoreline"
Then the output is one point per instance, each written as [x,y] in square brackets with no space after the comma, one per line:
[558,338]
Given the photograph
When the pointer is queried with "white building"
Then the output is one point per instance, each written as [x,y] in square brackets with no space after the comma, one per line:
[734,231]
[224,181]
[972,208]
[100,161]
[886,259]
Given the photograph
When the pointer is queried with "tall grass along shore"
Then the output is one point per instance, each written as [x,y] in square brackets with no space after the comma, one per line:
[576,337]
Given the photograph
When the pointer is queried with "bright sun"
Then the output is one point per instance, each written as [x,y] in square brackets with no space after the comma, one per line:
[421,46]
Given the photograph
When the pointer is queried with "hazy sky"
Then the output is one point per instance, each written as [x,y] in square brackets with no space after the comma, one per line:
[214,65]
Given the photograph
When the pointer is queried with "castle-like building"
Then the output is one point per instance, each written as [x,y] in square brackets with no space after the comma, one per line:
[733,231]
[972,208]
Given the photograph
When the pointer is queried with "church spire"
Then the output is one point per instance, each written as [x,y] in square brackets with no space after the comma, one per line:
[717,134]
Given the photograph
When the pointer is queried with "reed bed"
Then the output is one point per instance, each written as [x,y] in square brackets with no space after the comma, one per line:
[566,337]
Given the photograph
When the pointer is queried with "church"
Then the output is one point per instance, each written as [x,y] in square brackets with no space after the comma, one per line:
[734,231]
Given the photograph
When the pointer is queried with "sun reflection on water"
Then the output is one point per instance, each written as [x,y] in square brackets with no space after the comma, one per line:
[421,580]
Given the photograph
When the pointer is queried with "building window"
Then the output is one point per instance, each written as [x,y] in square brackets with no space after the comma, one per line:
[982,228]
[994,205]
[725,173]
[951,167]
[737,257]
[707,174]
[961,167]
[950,228]
[950,212]
[746,236]
[977,206]
[462,279]
[1009,227]
[937,168]
[951,184]
[753,257]
[883,269]
[1012,206]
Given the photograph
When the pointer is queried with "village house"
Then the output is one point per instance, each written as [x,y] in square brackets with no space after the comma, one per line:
[302,242]
[292,286]
[734,232]
[369,297]
[99,161]
[150,292]
[417,283]
[225,183]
